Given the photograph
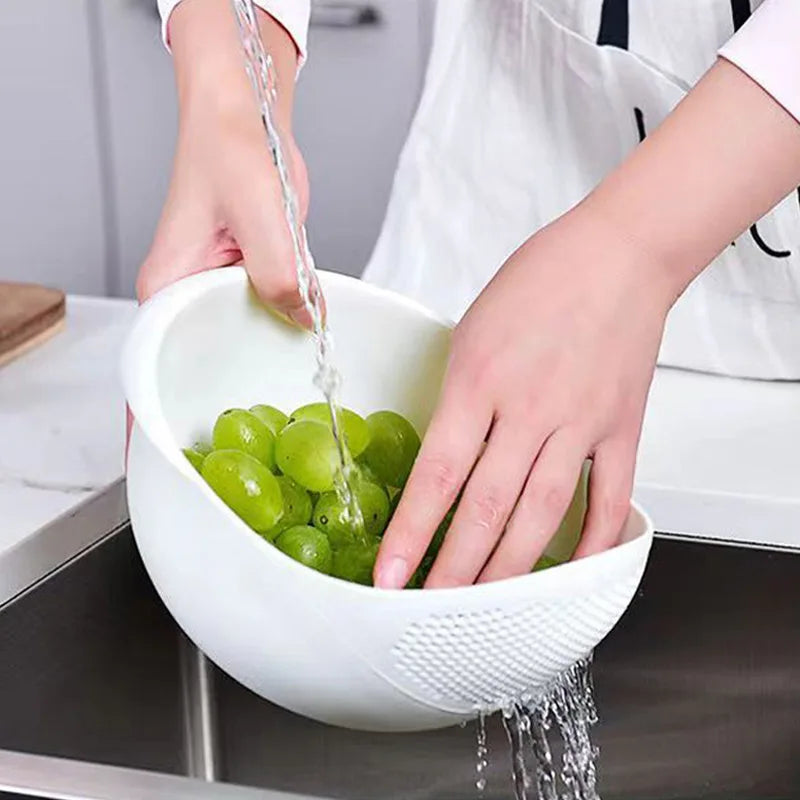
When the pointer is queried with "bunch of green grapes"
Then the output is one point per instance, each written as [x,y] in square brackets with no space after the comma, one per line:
[277,472]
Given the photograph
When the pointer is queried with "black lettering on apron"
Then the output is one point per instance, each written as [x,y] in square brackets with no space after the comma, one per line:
[740,10]
[614,32]
[640,128]
[765,247]
[614,24]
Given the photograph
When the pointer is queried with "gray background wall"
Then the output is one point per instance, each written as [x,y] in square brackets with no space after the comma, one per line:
[88,120]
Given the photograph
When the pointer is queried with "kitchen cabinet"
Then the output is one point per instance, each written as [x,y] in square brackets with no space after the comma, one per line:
[140,125]
[51,187]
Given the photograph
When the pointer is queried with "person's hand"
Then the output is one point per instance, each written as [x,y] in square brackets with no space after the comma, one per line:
[225,204]
[553,361]
[551,365]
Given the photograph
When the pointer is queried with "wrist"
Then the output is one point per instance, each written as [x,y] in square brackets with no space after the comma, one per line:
[725,156]
[632,261]
[209,61]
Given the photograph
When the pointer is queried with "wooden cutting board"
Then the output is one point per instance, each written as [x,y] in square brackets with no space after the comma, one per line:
[29,316]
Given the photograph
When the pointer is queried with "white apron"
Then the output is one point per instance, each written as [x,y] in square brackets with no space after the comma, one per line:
[527,105]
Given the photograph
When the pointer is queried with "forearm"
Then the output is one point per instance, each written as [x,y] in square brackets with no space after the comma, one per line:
[725,156]
[209,62]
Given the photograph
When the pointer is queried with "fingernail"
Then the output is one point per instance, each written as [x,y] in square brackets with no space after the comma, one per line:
[394,574]
[284,316]
[297,318]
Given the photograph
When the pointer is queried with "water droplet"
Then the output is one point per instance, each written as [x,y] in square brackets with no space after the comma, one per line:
[482,761]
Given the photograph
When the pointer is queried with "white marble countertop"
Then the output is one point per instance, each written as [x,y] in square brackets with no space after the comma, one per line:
[719,458]
[62,418]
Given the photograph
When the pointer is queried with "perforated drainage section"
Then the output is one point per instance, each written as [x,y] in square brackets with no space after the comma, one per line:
[485,658]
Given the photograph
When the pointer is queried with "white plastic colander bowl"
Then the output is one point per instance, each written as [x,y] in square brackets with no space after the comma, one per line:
[344,654]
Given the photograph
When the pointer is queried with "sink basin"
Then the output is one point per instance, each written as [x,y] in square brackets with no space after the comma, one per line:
[698,690]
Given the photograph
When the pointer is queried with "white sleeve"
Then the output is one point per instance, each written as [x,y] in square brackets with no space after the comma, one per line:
[767,48]
[292,14]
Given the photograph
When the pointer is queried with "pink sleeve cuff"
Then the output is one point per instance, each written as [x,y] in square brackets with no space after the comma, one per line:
[767,48]
[292,14]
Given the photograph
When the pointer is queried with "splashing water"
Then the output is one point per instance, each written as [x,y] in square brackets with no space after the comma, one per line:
[572,705]
[567,705]
[517,725]
[483,753]
[261,71]
[539,725]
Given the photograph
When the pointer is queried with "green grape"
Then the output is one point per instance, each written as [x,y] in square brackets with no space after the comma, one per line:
[417,580]
[366,474]
[308,546]
[394,500]
[202,447]
[355,561]
[297,507]
[237,429]
[272,417]
[392,448]
[246,486]
[441,531]
[195,456]
[356,432]
[545,562]
[561,547]
[306,451]
[331,516]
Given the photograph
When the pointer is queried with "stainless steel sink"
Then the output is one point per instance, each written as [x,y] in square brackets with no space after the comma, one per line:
[698,690]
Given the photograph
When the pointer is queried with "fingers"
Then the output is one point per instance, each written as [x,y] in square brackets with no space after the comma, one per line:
[231,214]
[610,490]
[449,450]
[484,509]
[258,221]
[541,507]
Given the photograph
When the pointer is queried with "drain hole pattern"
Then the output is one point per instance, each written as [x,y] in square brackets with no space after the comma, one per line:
[485,658]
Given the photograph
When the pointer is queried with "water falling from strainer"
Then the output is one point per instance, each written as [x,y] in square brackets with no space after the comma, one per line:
[567,706]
